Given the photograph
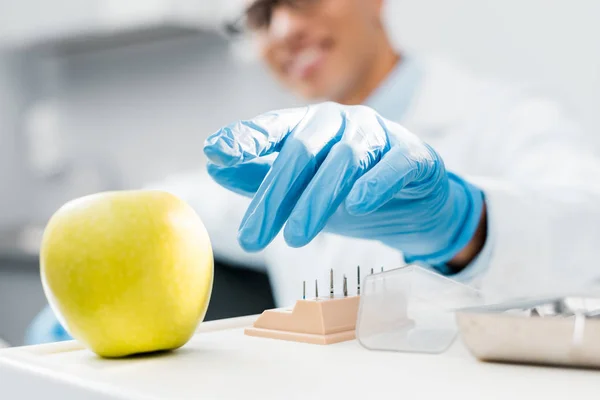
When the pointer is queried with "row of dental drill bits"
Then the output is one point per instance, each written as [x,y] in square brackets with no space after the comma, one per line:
[331,286]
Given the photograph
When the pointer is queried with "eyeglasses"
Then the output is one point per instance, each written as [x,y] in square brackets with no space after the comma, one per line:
[258,15]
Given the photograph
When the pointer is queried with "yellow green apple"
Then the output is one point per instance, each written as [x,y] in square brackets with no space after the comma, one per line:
[127,272]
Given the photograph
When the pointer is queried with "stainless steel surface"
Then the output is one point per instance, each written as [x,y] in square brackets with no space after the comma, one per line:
[562,331]
[555,307]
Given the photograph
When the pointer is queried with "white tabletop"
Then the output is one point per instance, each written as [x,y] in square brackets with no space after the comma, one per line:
[220,362]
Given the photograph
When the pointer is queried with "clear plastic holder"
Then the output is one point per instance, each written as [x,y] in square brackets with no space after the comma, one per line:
[411,309]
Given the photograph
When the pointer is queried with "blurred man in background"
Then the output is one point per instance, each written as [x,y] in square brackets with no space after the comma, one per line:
[477,180]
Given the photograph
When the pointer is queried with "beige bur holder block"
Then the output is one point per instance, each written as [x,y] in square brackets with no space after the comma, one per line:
[316,321]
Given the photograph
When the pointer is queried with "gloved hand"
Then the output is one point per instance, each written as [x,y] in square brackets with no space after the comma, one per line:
[345,170]
[45,328]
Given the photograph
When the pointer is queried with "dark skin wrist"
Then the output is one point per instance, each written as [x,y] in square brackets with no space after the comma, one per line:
[471,250]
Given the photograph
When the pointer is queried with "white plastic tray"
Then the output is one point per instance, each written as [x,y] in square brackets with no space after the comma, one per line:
[220,362]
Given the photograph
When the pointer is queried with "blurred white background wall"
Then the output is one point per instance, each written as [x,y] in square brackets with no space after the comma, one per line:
[117,116]
[554,43]
[142,111]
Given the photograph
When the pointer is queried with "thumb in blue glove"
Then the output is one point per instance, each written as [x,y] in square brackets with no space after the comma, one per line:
[345,170]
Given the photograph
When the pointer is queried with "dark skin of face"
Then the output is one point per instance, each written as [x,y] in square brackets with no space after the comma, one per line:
[328,49]
[335,50]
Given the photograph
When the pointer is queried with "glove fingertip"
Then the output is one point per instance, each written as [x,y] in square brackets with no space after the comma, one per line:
[249,236]
[212,168]
[356,204]
[220,156]
[295,242]
[249,245]
[218,173]
[294,237]
[356,210]
[220,148]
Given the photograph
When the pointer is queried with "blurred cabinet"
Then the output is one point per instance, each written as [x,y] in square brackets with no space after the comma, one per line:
[21,297]
[35,23]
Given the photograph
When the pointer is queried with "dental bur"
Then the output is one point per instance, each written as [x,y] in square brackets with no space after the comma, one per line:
[318,320]
[345,286]
[331,283]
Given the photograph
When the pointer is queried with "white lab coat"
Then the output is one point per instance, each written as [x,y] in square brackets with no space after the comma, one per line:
[540,178]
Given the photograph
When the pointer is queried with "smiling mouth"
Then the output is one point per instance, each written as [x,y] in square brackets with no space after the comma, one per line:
[307,61]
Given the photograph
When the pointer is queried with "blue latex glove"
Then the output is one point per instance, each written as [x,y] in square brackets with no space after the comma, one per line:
[345,170]
[45,328]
